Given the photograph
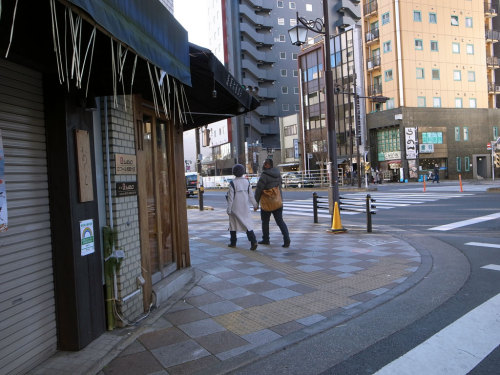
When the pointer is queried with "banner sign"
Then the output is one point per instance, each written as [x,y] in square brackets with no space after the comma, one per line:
[411,143]
[3,193]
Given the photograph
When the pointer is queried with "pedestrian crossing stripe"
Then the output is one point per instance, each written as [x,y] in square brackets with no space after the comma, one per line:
[383,201]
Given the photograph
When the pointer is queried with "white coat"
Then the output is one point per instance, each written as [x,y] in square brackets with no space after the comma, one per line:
[238,209]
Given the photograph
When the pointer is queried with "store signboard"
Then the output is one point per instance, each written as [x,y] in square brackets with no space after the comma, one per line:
[87,237]
[426,148]
[411,143]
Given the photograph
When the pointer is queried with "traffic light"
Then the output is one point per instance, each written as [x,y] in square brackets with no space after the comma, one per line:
[497,160]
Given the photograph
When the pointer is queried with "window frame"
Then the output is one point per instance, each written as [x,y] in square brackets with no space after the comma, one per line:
[453,17]
[459,75]
[495,132]
[435,17]
[438,74]
[471,22]
[281,21]
[389,44]
[453,45]
[434,102]
[472,100]
[282,55]
[469,76]
[421,44]
[422,71]
[284,90]
[292,5]
[457,133]
[466,133]
[467,164]
[437,46]
[283,73]
[459,100]
[417,16]
[467,49]
[278,2]
[386,75]
[386,20]
[458,161]
[424,101]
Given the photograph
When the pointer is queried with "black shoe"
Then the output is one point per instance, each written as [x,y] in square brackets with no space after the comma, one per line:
[286,244]
[264,242]
[231,245]
[254,246]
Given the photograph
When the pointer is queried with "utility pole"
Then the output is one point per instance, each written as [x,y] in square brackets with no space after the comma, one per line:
[198,169]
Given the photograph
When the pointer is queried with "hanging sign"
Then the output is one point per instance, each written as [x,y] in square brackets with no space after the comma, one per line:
[411,143]
[87,237]
[3,193]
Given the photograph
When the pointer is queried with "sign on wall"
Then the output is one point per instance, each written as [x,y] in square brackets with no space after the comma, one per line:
[3,193]
[426,148]
[126,164]
[126,189]
[87,237]
[411,143]
[296,148]
[84,164]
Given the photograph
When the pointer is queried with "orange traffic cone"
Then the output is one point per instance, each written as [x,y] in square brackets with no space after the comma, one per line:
[336,222]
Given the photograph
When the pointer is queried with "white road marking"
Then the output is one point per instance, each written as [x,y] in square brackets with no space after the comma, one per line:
[464,223]
[457,348]
[483,244]
[494,267]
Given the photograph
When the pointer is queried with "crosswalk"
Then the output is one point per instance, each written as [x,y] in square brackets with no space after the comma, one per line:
[384,201]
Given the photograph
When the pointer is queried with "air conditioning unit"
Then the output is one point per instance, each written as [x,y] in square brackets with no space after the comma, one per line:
[492,10]
[370,64]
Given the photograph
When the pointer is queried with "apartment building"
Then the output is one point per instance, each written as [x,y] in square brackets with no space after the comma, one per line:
[435,62]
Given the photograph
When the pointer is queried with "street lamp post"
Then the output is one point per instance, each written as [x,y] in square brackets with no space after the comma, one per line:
[298,36]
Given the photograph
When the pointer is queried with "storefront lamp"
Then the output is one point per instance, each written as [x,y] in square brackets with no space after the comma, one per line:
[298,34]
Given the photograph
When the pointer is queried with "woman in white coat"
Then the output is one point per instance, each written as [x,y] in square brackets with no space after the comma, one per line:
[238,198]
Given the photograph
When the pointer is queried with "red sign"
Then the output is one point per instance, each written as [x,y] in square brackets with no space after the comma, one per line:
[488,146]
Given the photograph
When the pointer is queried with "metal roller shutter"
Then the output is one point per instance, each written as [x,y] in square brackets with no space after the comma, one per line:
[27,307]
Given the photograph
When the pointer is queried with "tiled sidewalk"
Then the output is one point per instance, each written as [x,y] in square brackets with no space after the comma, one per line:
[247,299]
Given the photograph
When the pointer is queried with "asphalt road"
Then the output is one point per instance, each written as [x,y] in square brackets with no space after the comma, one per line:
[456,284]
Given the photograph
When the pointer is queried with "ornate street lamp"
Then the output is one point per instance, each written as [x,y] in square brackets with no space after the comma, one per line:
[298,36]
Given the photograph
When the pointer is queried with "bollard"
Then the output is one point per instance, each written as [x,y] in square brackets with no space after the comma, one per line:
[368,214]
[200,197]
[315,207]
[460,179]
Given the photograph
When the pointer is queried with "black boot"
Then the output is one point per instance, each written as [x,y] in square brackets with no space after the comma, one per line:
[253,240]
[232,242]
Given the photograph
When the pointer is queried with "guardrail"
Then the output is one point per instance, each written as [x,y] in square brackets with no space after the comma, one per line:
[354,204]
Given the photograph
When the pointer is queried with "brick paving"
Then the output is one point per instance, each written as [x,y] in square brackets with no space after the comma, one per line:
[246,299]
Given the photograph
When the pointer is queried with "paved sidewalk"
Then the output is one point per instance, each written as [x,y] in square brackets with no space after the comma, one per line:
[245,300]
[244,304]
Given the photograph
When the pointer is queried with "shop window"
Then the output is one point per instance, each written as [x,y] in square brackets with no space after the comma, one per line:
[432,137]
[467,164]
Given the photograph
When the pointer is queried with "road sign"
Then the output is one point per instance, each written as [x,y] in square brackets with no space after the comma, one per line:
[488,146]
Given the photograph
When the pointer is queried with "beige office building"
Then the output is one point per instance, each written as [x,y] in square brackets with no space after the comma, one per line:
[434,60]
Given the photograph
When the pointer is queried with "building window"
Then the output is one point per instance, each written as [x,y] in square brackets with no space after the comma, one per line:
[281,21]
[434,45]
[294,56]
[289,152]
[295,73]
[466,133]
[459,164]
[471,75]
[455,47]
[454,20]
[293,21]
[297,107]
[285,107]
[296,90]
[282,38]
[436,102]
[417,16]
[457,133]
[420,101]
[457,75]
[290,130]
[419,45]
[292,5]
[470,49]
[279,4]
[495,132]
[468,22]
[390,103]
[388,75]
[458,103]
[283,72]
[472,103]
[282,55]
[387,46]
[467,164]
[284,89]
[385,18]
[435,74]
[432,17]
[309,8]
[420,73]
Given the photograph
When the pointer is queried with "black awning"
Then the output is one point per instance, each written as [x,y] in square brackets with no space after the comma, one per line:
[148,28]
[208,74]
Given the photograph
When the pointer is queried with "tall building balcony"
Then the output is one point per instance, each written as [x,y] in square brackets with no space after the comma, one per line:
[490,9]
[493,88]
[370,8]
[492,36]
[372,36]
[492,62]
[374,90]
[373,63]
